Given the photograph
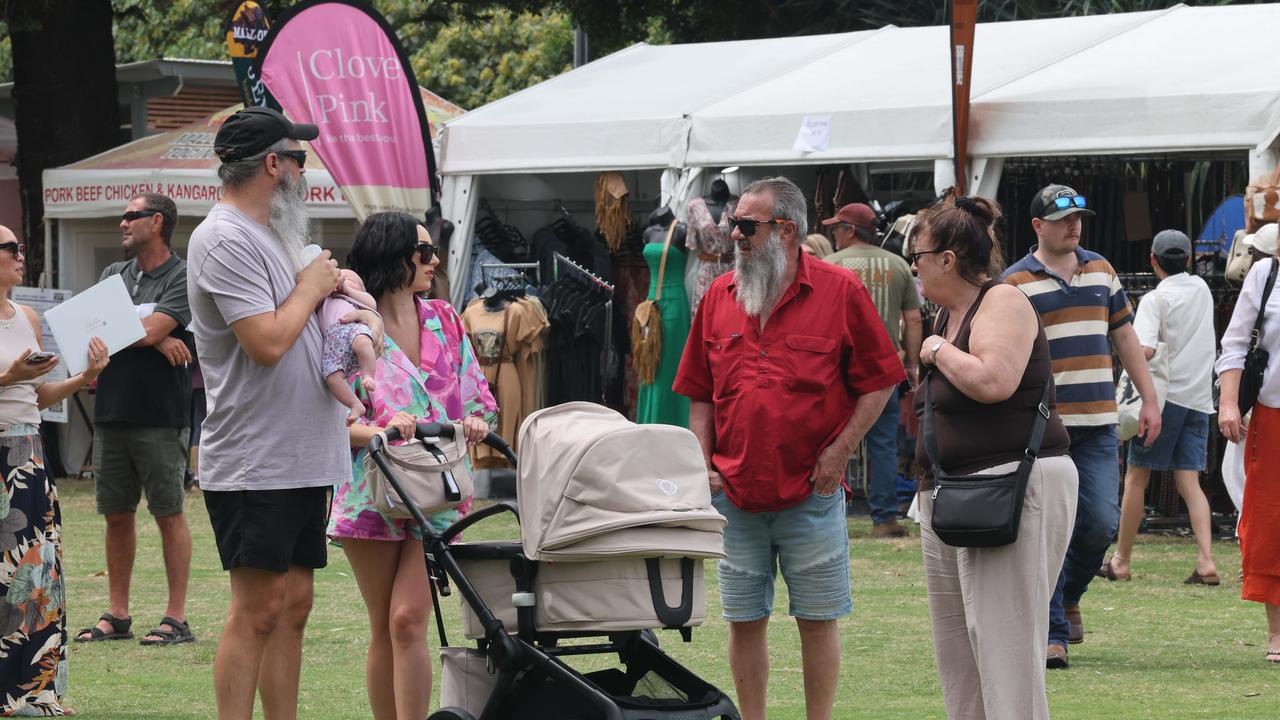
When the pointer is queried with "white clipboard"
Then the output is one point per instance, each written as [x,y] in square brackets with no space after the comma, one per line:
[104,310]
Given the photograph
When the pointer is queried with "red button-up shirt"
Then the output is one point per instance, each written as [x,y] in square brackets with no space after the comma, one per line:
[783,395]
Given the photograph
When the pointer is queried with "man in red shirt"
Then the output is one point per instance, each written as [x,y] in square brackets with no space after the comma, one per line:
[787,366]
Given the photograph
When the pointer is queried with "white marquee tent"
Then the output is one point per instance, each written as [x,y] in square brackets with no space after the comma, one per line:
[1179,80]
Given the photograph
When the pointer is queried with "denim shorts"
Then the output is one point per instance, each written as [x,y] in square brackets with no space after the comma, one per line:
[809,542]
[1182,444]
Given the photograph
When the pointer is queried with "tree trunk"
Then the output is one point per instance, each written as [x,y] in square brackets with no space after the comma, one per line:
[65,99]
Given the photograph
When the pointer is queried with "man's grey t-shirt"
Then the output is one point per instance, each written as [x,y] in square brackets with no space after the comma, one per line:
[267,428]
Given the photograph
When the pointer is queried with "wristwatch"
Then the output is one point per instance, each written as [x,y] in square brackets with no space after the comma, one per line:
[933,351]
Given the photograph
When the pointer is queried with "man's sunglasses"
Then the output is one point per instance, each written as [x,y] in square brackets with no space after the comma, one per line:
[138,215]
[16,248]
[747,226]
[1065,201]
[298,156]
[426,251]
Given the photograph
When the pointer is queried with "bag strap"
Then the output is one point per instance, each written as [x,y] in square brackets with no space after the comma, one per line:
[1033,443]
[1262,306]
[662,265]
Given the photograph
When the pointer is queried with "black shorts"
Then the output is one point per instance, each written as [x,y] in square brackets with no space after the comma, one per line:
[270,529]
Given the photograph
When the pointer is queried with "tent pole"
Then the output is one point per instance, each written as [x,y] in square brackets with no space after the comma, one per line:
[46,276]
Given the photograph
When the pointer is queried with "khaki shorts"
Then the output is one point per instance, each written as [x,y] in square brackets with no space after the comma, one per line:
[131,459]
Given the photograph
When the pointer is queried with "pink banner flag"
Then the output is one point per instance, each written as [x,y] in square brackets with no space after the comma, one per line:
[337,64]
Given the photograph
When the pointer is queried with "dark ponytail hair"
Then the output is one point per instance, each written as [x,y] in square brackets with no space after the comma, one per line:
[967,227]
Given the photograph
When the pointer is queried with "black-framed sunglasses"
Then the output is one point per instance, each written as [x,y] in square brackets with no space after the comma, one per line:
[1062,202]
[913,258]
[16,248]
[747,226]
[298,156]
[426,251]
[138,215]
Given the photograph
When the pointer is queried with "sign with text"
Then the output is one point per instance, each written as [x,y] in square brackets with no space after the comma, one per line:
[247,27]
[337,64]
[40,300]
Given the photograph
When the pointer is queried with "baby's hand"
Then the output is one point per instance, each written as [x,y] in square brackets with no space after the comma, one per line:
[368,384]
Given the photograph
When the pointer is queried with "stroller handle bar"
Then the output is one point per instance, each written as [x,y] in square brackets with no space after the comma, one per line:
[428,430]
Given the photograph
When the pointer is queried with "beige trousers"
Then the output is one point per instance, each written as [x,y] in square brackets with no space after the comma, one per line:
[989,606]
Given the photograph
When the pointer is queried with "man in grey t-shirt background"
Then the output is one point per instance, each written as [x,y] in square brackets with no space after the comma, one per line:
[274,440]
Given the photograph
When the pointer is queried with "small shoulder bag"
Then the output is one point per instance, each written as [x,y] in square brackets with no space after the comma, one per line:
[1255,361]
[646,324]
[981,510]
[432,473]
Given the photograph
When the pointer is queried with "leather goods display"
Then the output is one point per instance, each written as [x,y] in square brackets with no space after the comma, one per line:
[1238,260]
[981,510]
[1262,201]
[432,472]
[1128,401]
[646,325]
[1256,359]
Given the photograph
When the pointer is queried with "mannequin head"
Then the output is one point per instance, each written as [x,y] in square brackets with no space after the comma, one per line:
[719,191]
[661,217]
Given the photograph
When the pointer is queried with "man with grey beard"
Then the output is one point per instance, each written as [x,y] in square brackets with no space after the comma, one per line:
[786,368]
[274,440]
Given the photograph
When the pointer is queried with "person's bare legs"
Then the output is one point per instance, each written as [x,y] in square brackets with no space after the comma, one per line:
[362,346]
[281,664]
[749,661]
[175,539]
[338,387]
[1273,628]
[121,547]
[393,582]
[257,601]
[820,659]
[410,611]
[1131,511]
[1188,482]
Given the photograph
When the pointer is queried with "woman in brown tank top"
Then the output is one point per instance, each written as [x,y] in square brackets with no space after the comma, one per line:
[988,365]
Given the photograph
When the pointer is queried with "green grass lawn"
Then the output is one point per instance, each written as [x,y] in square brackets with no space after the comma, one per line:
[1154,647]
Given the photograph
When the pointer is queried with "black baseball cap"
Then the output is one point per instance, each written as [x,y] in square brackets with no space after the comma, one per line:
[255,129]
[1055,202]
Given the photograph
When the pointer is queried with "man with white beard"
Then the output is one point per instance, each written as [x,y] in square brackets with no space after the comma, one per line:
[787,366]
[274,440]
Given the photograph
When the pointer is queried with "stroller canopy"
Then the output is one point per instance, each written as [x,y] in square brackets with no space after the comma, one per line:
[592,484]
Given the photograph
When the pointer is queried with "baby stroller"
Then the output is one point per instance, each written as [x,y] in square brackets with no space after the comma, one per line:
[615,520]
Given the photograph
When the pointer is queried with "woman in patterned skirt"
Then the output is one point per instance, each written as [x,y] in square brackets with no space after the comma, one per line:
[33,620]
[427,372]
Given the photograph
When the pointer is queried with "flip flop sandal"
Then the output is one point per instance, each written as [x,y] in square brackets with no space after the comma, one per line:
[1197,579]
[181,633]
[1273,656]
[119,630]
[1108,571]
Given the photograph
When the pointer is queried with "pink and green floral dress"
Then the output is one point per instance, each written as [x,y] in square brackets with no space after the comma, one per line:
[447,386]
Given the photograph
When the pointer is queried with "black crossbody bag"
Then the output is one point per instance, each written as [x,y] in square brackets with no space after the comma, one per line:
[1255,361]
[981,510]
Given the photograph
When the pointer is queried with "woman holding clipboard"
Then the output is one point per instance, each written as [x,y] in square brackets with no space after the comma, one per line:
[33,660]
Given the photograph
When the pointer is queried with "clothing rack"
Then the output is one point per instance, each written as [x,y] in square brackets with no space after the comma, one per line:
[584,275]
[518,269]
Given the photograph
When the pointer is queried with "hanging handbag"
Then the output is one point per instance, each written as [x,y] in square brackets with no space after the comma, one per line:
[981,510]
[1256,359]
[432,472]
[646,324]
[1128,400]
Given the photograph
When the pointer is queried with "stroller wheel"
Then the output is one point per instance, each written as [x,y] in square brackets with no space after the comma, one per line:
[451,713]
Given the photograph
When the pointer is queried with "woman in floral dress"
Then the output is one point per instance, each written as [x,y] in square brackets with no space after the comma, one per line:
[427,372]
[33,609]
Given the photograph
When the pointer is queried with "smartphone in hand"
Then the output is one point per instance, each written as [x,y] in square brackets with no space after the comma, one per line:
[38,357]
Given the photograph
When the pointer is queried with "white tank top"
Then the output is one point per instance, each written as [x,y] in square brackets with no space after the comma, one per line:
[17,402]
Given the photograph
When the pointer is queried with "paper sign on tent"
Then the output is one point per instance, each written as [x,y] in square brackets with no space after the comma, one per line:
[814,135]
[104,310]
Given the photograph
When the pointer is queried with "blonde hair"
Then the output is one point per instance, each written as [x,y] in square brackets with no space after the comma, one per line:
[819,244]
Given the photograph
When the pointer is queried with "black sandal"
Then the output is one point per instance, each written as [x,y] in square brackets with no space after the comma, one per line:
[119,630]
[181,633]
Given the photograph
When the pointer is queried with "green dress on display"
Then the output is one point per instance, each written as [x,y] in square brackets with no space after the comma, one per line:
[658,404]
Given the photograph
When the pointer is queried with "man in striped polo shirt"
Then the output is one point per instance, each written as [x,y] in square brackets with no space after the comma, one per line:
[1085,312]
